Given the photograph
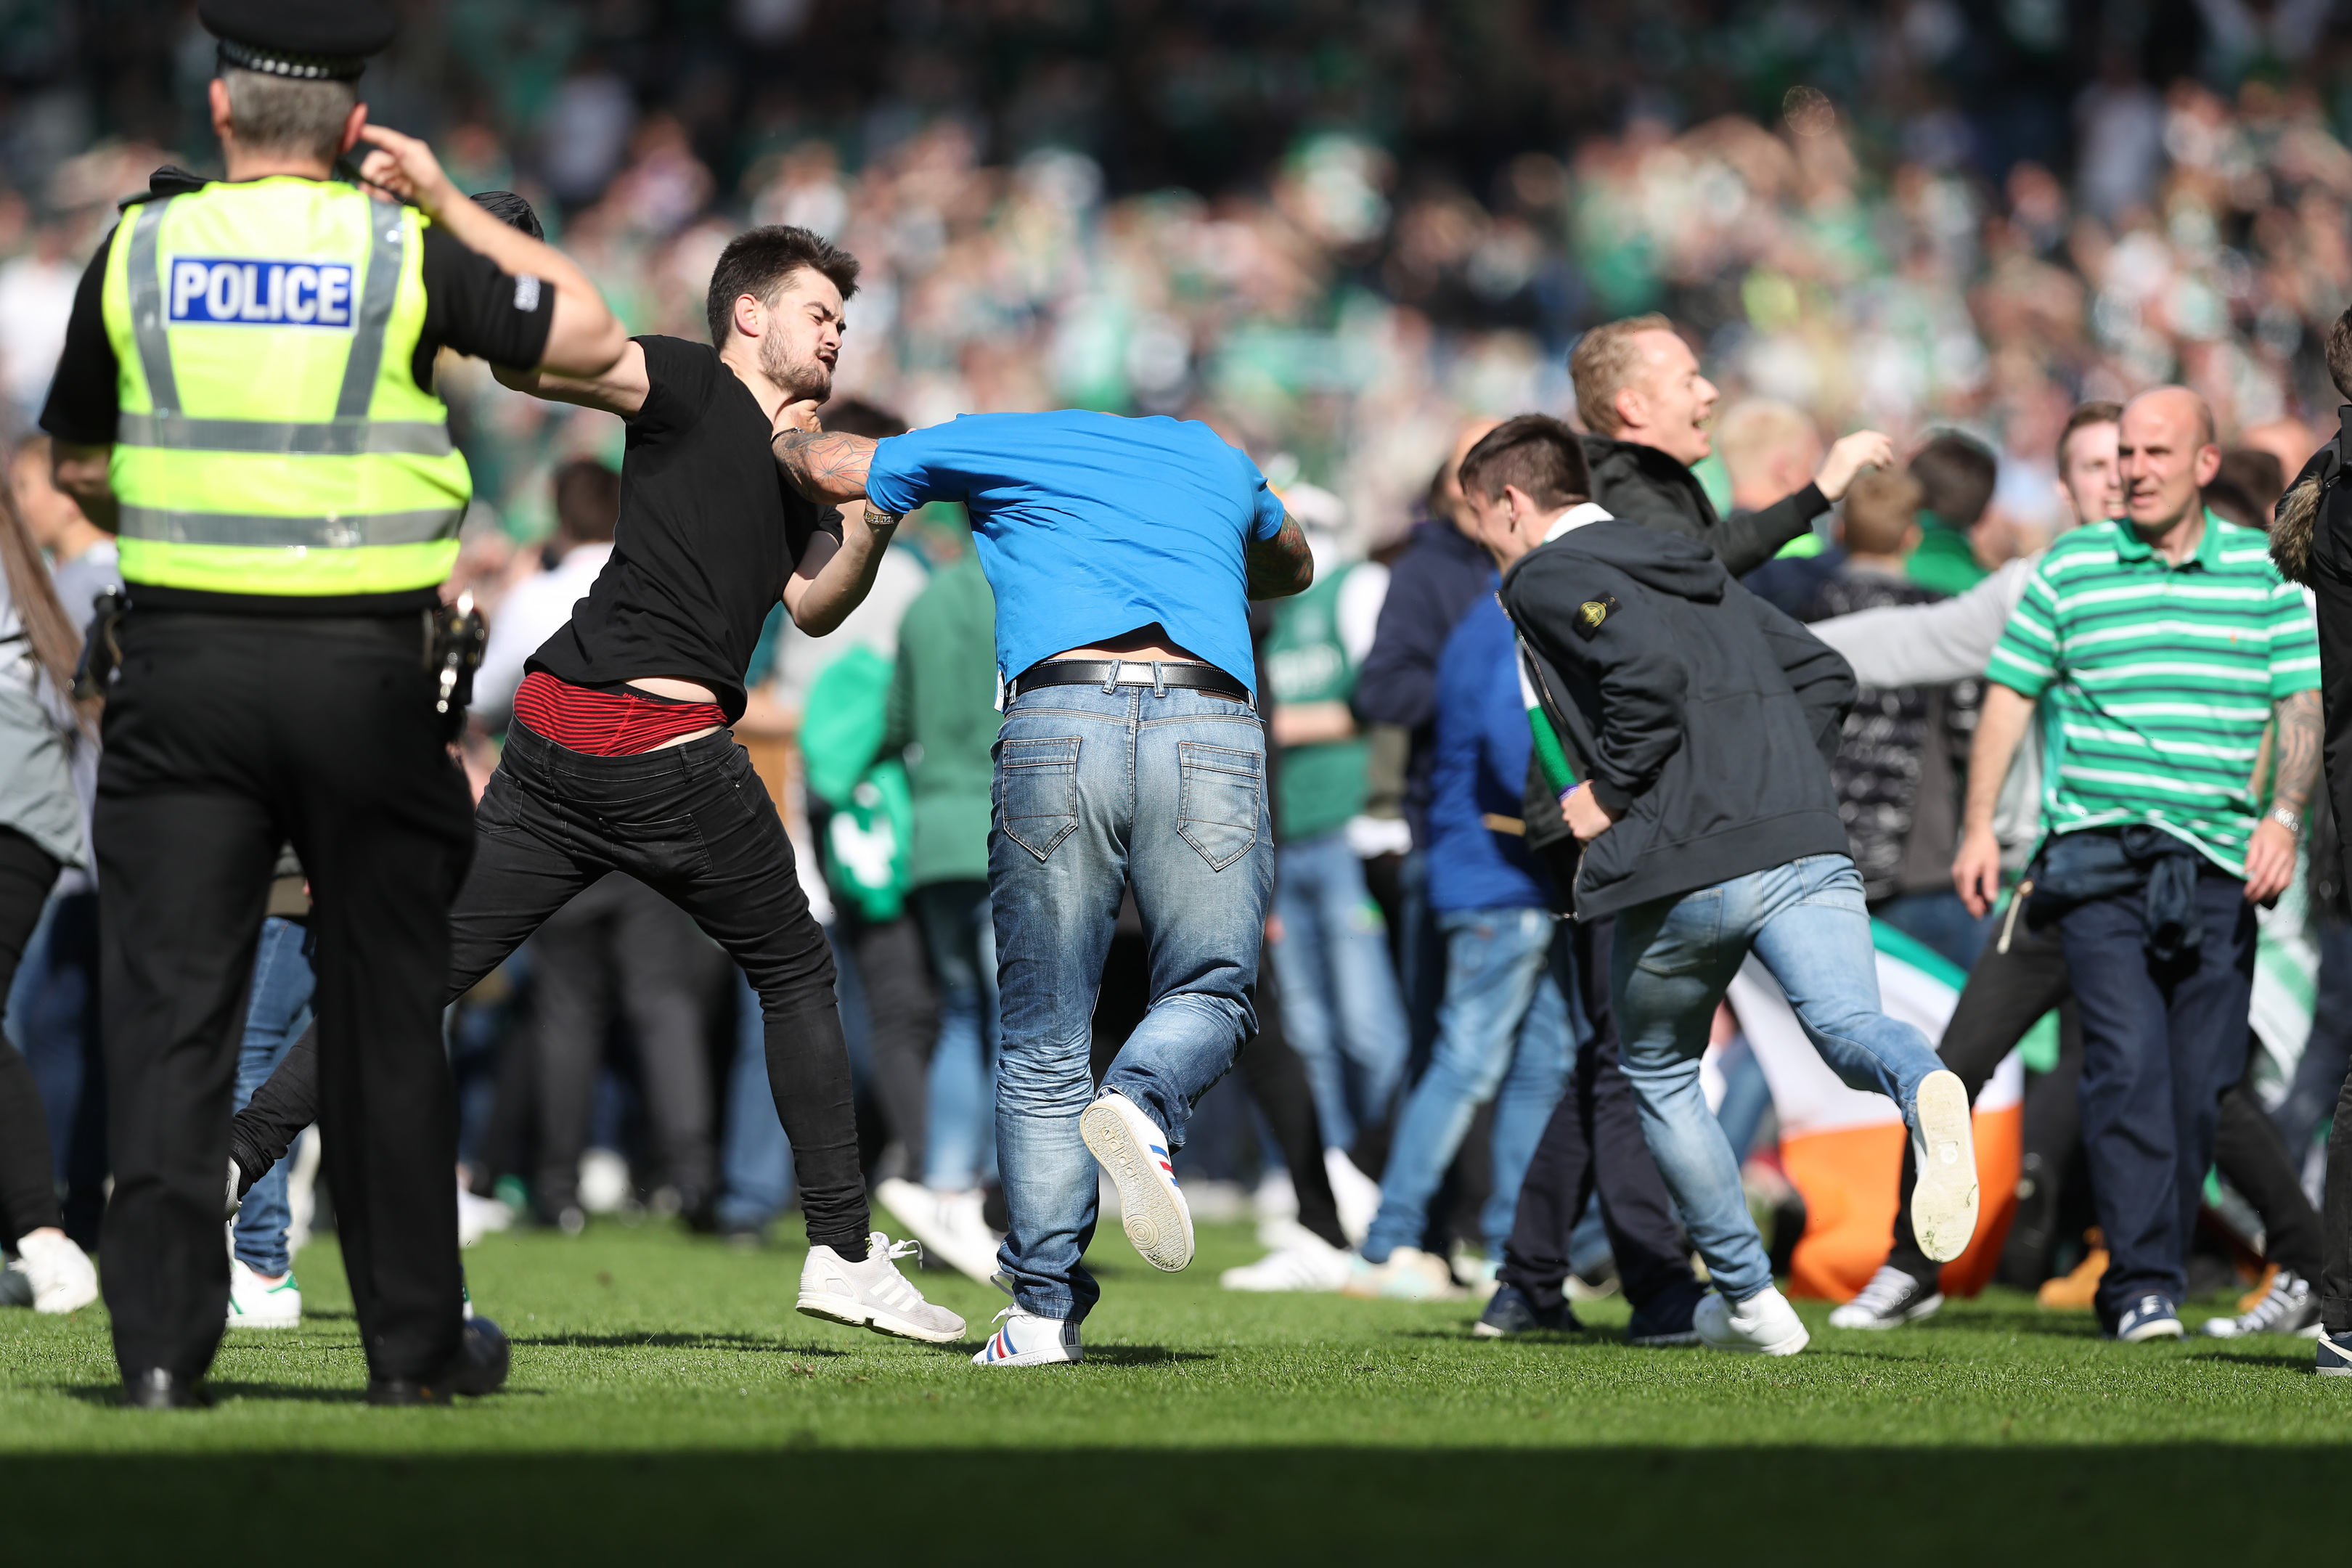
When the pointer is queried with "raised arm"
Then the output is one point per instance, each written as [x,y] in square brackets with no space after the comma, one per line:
[1280,566]
[836,571]
[584,340]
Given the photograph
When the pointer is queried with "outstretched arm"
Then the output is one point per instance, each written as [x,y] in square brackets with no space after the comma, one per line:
[836,571]
[826,467]
[1280,566]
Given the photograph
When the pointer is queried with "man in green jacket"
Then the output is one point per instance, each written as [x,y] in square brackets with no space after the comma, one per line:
[943,716]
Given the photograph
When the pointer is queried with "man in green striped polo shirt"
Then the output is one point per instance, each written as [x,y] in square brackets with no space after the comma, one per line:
[2159,646]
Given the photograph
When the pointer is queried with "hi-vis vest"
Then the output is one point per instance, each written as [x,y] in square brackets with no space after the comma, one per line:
[272,438]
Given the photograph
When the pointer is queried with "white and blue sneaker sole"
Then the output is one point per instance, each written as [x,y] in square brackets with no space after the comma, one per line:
[1944,1202]
[1135,1152]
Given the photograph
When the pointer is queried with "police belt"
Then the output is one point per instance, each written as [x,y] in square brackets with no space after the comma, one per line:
[1180,675]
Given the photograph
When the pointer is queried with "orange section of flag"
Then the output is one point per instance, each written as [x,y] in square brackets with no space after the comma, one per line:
[1849,1177]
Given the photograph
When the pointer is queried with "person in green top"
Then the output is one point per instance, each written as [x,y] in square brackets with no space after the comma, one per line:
[1958,475]
[2159,646]
[1340,1001]
[943,717]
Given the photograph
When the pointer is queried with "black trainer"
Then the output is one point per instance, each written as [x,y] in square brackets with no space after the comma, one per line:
[1510,1314]
[1665,1320]
[481,1368]
[155,1389]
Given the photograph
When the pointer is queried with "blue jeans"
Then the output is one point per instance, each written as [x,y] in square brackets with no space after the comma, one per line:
[274,1019]
[755,1158]
[1339,1003]
[1674,958]
[960,936]
[1502,1034]
[1096,793]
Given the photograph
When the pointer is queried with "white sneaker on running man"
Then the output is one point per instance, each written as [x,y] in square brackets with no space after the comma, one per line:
[1024,1339]
[949,1225]
[1944,1202]
[1302,1260]
[871,1293]
[1764,1324]
[1891,1299]
[1134,1154]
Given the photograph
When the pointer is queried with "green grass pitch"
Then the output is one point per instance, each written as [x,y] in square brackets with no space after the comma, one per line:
[668,1406]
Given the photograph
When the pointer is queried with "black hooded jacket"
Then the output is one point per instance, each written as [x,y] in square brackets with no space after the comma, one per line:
[1642,484]
[1701,715]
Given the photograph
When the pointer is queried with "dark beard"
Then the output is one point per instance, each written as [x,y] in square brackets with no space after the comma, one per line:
[805,379]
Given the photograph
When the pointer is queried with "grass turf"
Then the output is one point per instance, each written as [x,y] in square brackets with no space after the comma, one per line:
[666,1398]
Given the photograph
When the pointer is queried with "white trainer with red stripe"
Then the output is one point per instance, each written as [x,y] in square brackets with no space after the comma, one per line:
[1134,1151]
[1024,1339]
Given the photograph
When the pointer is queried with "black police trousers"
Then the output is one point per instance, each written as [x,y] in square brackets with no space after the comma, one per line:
[226,737]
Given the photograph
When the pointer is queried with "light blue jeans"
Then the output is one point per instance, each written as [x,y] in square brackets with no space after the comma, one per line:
[274,1019]
[959,1151]
[1340,1010]
[1096,793]
[1502,1034]
[1674,959]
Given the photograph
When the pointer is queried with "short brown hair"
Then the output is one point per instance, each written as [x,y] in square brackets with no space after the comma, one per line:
[1958,474]
[1602,362]
[269,113]
[2085,414]
[587,500]
[1882,508]
[2339,353]
[759,262]
[1535,452]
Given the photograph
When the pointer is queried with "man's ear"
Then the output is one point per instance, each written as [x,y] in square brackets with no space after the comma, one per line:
[1633,408]
[2208,463]
[216,97]
[750,316]
[353,122]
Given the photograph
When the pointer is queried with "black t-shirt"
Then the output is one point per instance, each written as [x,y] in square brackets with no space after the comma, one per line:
[709,534]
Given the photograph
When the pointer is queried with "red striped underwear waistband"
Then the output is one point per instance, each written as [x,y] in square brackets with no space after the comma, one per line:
[607,723]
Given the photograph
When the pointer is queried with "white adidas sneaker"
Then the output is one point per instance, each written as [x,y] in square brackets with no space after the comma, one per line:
[1301,1260]
[255,1303]
[60,1274]
[1944,1202]
[1134,1154]
[1764,1324]
[1024,1339]
[870,1294]
[950,1226]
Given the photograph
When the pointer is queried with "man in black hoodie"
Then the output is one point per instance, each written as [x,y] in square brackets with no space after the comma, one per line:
[1693,726]
[1639,389]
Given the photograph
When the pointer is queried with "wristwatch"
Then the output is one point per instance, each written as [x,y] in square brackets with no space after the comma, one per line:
[2288,819]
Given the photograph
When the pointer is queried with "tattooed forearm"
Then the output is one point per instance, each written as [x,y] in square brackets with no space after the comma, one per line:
[824,465]
[2299,730]
[1280,566]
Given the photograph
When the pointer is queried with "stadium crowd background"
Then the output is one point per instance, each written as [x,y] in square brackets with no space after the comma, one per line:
[1336,231]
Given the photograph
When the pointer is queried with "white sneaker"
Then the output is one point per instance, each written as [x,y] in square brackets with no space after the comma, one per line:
[1944,1203]
[1356,1194]
[1303,1261]
[1891,1299]
[1764,1324]
[1024,1339]
[477,1217]
[61,1275]
[255,1303]
[949,1225]
[1134,1154]
[872,1294]
[2289,1307]
[1408,1274]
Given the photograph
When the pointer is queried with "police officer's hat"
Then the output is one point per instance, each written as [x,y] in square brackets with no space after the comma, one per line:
[314,40]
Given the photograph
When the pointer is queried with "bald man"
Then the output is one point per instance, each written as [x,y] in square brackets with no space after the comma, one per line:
[2165,641]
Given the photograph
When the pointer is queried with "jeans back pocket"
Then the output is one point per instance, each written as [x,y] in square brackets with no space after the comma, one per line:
[1217,810]
[1037,792]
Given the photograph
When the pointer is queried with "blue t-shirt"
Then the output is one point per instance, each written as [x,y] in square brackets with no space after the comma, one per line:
[1483,742]
[1090,525]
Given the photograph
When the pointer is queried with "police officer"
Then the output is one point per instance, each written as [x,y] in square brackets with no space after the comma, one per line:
[247,396]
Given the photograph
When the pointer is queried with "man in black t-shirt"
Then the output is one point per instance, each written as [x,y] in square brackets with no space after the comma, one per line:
[619,758]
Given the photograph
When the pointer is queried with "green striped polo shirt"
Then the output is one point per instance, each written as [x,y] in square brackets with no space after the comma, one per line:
[2155,681]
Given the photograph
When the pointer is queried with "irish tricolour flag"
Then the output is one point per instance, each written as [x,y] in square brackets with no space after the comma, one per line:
[1843,1148]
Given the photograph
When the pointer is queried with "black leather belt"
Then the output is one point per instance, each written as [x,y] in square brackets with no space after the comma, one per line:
[1183,675]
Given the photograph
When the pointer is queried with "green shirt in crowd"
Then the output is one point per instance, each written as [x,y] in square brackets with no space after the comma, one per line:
[943,707]
[2155,681]
[1945,561]
[1305,659]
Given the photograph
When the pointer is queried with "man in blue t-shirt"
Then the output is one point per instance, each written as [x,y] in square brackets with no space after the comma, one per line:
[1123,554]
